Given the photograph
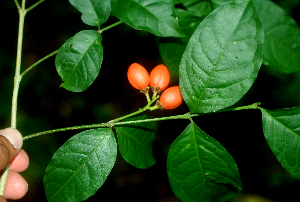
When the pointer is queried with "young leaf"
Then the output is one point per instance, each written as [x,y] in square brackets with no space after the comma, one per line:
[155,16]
[222,58]
[94,12]
[200,169]
[80,167]
[282,132]
[79,59]
[282,37]
[135,143]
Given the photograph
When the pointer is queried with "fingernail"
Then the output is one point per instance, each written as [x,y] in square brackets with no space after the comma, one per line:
[13,136]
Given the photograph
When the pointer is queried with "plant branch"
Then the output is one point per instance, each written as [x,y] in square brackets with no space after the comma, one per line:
[34,5]
[17,79]
[119,121]
[17,4]
[110,26]
[37,63]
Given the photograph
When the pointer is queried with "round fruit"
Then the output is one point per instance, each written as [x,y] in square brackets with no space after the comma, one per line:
[171,98]
[138,76]
[160,77]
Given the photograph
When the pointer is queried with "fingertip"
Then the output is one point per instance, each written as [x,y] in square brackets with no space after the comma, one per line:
[20,163]
[16,187]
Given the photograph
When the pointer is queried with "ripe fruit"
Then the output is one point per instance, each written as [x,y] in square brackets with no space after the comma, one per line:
[160,77]
[138,76]
[171,98]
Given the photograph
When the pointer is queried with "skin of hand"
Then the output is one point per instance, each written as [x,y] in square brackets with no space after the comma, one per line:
[10,152]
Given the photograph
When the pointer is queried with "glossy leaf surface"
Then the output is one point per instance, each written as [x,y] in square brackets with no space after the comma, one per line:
[79,59]
[282,132]
[80,167]
[135,143]
[155,16]
[94,12]
[222,58]
[282,37]
[200,169]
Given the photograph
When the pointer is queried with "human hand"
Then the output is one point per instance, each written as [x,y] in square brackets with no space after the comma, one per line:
[10,152]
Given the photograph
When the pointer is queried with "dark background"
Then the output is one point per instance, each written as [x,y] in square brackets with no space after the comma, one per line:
[43,105]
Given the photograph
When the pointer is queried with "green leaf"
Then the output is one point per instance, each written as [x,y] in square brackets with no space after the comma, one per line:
[200,169]
[217,3]
[155,16]
[135,143]
[170,48]
[282,132]
[222,58]
[80,167]
[94,12]
[198,8]
[282,37]
[79,59]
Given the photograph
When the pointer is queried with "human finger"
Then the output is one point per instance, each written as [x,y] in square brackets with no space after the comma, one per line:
[16,186]
[20,162]
[10,144]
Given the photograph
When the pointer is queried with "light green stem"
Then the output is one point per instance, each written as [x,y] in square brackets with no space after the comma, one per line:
[37,63]
[110,26]
[17,79]
[117,122]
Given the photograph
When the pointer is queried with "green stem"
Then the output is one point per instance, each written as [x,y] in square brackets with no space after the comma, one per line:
[38,62]
[17,79]
[117,122]
[110,26]
[34,5]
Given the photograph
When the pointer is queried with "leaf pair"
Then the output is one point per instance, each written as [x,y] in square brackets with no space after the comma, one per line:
[79,60]
[80,167]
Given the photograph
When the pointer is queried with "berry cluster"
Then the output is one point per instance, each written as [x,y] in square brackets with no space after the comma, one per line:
[158,80]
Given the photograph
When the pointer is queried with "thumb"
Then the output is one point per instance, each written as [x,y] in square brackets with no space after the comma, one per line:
[10,144]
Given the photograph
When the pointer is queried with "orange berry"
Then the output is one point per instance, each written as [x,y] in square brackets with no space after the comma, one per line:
[160,77]
[138,76]
[171,98]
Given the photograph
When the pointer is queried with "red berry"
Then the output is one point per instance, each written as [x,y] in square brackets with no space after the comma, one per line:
[171,98]
[138,76]
[160,77]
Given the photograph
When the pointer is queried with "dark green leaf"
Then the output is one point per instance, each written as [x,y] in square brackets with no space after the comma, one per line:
[170,48]
[155,16]
[200,169]
[198,8]
[135,143]
[80,167]
[94,12]
[222,58]
[282,37]
[79,59]
[282,132]
[217,3]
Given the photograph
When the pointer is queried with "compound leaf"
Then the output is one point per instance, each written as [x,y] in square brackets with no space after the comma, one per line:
[79,59]
[80,167]
[155,16]
[282,132]
[282,37]
[200,168]
[135,143]
[222,58]
[94,12]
